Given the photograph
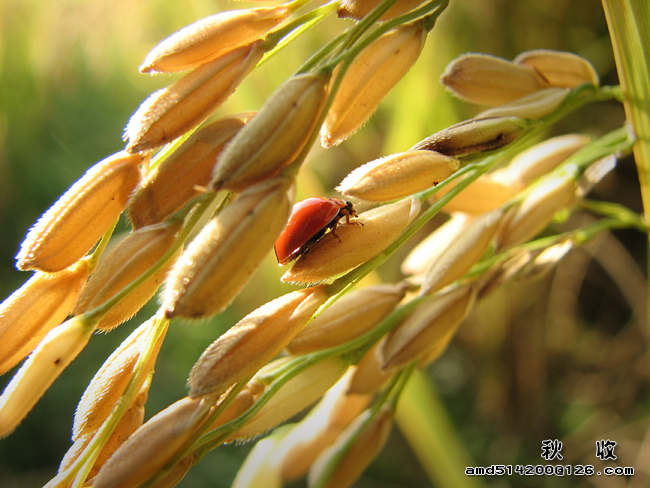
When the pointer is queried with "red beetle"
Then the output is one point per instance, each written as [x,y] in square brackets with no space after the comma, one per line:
[309,220]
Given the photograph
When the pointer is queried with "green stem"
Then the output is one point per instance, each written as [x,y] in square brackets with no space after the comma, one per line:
[212,439]
[364,24]
[203,418]
[297,4]
[202,206]
[616,211]
[615,142]
[167,150]
[629,28]
[93,259]
[579,236]
[84,463]
[277,40]
[351,48]
[388,396]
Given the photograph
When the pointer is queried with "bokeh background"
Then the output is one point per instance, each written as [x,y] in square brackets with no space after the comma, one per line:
[563,358]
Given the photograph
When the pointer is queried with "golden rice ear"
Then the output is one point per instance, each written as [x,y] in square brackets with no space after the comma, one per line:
[183,105]
[501,273]
[69,458]
[254,341]
[130,422]
[257,470]
[244,400]
[276,136]
[127,425]
[531,215]
[544,262]
[309,442]
[488,80]
[223,256]
[294,396]
[543,158]
[151,446]
[74,224]
[176,474]
[533,106]
[111,380]
[431,325]
[212,37]
[362,441]
[330,258]
[398,176]
[462,254]
[558,68]
[484,194]
[184,174]
[349,317]
[369,78]
[429,249]
[136,254]
[369,375]
[474,136]
[298,450]
[358,9]
[41,304]
[59,347]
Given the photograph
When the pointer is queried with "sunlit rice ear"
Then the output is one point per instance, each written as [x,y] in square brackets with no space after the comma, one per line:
[74,224]
[544,263]
[298,450]
[534,106]
[132,257]
[362,441]
[207,39]
[41,304]
[531,215]
[466,250]
[484,194]
[349,317]
[558,68]
[253,341]
[370,77]
[130,422]
[219,261]
[298,393]
[276,136]
[431,325]
[180,177]
[55,352]
[257,471]
[358,9]
[183,105]
[331,257]
[110,381]
[151,446]
[430,248]
[398,175]
[489,80]
[474,136]
[544,157]
[369,376]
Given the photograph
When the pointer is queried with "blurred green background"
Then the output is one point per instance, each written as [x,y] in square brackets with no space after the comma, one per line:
[564,358]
